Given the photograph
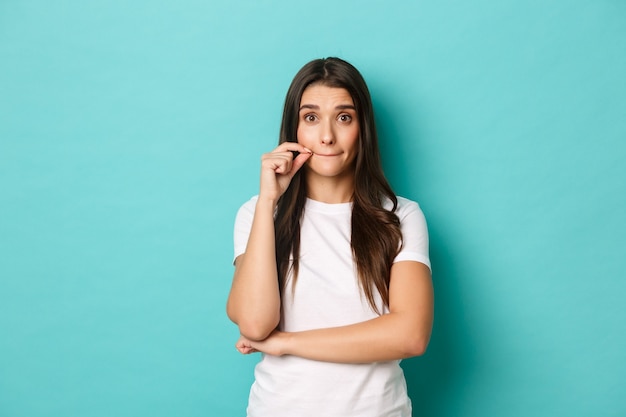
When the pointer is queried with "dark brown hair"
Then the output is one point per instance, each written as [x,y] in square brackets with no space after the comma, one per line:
[376,235]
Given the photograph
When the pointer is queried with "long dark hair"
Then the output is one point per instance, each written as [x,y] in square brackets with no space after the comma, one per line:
[376,235]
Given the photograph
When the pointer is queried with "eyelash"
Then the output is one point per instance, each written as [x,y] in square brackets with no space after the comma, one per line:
[344,117]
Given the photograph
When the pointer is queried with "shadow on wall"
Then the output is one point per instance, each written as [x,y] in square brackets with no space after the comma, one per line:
[438,376]
[434,380]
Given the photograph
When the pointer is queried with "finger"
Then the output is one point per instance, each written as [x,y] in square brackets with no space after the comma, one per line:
[299,162]
[291,146]
[243,346]
[247,350]
[278,162]
[283,166]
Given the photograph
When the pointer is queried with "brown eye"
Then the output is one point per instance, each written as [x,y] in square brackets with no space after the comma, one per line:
[345,118]
[309,117]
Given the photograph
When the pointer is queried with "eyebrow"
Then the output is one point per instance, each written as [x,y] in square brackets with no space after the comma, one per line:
[339,107]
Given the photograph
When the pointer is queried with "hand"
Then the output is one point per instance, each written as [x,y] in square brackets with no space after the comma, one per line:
[244,346]
[274,345]
[278,168]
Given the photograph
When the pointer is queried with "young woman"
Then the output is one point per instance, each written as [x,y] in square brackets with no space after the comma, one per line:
[332,277]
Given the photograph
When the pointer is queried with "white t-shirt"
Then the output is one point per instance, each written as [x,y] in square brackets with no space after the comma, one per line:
[327,294]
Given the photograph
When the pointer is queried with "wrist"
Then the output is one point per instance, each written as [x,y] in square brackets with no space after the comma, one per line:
[267,203]
[287,343]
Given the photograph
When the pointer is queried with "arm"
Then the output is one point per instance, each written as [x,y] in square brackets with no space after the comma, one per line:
[254,299]
[254,303]
[402,333]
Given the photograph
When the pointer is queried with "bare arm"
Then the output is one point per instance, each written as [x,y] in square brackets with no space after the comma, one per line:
[254,299]
[402,333]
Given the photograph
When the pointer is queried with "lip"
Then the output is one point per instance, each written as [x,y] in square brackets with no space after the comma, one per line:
[329,154]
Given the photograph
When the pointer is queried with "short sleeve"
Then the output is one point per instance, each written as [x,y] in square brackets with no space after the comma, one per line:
[243,224]
[414,233]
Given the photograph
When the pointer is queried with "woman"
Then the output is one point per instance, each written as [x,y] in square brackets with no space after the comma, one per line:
[332,277]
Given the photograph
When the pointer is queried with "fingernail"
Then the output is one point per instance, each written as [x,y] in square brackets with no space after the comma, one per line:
[308,150]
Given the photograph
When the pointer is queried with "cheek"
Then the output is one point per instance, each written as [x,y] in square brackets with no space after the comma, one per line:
[303,135]
[354,139]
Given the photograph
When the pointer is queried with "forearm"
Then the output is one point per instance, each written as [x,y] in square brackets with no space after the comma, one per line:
[387,337]
[402,333]
[254,300]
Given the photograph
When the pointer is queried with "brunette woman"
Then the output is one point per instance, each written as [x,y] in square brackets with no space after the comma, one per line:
[332,276]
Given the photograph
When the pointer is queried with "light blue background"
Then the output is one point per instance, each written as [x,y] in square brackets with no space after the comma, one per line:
[130,132]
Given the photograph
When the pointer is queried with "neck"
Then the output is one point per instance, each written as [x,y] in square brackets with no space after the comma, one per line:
[331,190]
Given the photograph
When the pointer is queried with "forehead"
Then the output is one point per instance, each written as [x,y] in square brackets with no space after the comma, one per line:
[322,94]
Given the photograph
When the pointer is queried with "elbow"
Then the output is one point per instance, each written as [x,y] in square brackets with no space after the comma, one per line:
[415,346]
[256,330]
[253,326]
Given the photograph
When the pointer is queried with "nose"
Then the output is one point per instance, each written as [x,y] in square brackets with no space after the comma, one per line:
[328,135]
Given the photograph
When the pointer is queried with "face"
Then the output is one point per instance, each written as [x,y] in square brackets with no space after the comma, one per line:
[328,126]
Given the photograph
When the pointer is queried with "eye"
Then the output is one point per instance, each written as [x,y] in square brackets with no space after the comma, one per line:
[310,117]
[345,118]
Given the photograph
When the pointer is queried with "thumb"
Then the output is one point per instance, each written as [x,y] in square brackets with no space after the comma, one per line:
[299,161]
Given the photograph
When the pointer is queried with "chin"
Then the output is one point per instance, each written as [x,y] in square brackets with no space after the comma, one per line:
[329,172]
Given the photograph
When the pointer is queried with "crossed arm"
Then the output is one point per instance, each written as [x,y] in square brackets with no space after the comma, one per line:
[403,332]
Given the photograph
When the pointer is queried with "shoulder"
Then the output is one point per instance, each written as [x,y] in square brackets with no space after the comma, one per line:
[248,206]
[404,208]
[244,216]
[414,232]
[404,204]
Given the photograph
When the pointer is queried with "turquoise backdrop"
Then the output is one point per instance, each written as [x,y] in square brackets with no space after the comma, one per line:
[131,131]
